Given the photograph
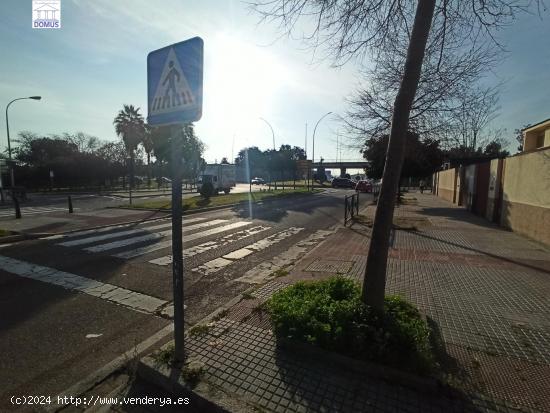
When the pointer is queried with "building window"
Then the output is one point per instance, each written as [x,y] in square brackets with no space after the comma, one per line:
[540,140]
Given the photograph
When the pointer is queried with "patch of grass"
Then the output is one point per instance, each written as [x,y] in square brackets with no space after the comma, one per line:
[199,330]
[221,315]
[5,233]
[165,356]
[331,315]
[198,201]
[192,374]
[248,296]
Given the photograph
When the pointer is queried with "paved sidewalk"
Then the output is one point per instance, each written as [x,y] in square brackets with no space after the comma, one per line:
[484,290]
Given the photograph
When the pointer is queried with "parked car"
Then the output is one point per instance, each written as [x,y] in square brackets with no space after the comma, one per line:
[343,183]
[364,186]
[257,181]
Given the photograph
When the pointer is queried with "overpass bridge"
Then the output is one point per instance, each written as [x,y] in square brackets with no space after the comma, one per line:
[343,165]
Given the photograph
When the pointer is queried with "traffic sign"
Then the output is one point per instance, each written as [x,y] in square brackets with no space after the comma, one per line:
[174,83]
[303,166]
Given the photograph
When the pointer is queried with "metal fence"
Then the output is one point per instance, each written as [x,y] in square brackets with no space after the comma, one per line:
[351,208]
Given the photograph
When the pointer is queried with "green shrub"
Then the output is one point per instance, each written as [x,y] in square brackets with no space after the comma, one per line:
[331,315]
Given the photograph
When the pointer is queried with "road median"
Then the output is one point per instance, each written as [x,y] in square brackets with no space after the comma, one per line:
[200,204]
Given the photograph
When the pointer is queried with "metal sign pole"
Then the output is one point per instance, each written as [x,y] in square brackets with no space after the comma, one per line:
[174,96]
[177,244]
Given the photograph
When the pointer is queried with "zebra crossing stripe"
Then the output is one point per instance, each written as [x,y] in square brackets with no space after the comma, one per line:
[90,240]
[150,237]
[264,271]
[228,259]
[131,299]
[207,246]
[165,244]
[112,227]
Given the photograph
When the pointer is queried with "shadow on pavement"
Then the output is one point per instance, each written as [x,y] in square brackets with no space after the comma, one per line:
[322,387]
[530,265]
[278,209]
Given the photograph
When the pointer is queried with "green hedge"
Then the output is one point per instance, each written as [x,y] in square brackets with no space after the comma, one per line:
[331,315]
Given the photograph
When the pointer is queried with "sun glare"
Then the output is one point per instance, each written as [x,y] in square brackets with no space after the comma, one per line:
[242,83]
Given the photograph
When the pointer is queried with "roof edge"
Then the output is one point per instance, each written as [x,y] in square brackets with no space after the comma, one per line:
[535,125]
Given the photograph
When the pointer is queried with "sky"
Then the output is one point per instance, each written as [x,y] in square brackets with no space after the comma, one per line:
[96,62]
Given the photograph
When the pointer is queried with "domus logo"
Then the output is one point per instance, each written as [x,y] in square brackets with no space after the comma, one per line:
[46,14]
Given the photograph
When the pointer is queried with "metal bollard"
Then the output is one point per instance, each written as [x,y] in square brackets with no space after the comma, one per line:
[17,208]
[70,205]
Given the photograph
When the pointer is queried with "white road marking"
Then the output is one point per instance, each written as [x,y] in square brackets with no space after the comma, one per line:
[213,266]
[131,299]
[107,229]
[95,238]
[110,228]
[206,246]
[90,240]
[150,237]
[263,271]
[217,264]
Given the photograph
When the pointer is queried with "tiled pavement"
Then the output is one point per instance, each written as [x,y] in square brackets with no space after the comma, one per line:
[485,291]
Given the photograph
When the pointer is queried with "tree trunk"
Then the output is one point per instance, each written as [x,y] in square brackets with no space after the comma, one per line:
[149,170]
[131,170]
[375,273]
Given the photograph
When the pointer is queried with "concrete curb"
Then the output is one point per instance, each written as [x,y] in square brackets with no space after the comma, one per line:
[13,238]
[204,396]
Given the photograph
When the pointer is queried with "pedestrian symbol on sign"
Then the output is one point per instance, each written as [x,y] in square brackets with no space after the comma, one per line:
[173,91]
[174,83]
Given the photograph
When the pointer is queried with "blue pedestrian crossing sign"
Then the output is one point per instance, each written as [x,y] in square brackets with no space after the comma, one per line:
[174,83]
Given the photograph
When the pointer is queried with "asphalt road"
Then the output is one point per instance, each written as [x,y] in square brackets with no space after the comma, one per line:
[70,304]
[52,203]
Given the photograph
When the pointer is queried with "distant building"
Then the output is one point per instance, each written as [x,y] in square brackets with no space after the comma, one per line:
[536,136]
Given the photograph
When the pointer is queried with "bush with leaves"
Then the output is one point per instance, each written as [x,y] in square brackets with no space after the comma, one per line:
[331,315]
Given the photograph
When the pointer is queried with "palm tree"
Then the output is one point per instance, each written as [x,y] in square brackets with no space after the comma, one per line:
[129,125]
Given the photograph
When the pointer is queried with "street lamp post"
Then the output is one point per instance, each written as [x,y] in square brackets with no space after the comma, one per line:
[8,133]
[272,133]
[314,130]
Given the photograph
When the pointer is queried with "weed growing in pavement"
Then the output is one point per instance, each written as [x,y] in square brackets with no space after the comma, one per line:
[331,315]
[199,330]
[164,357]
[247,296]
[279,273]
[221,315]
[191,374]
